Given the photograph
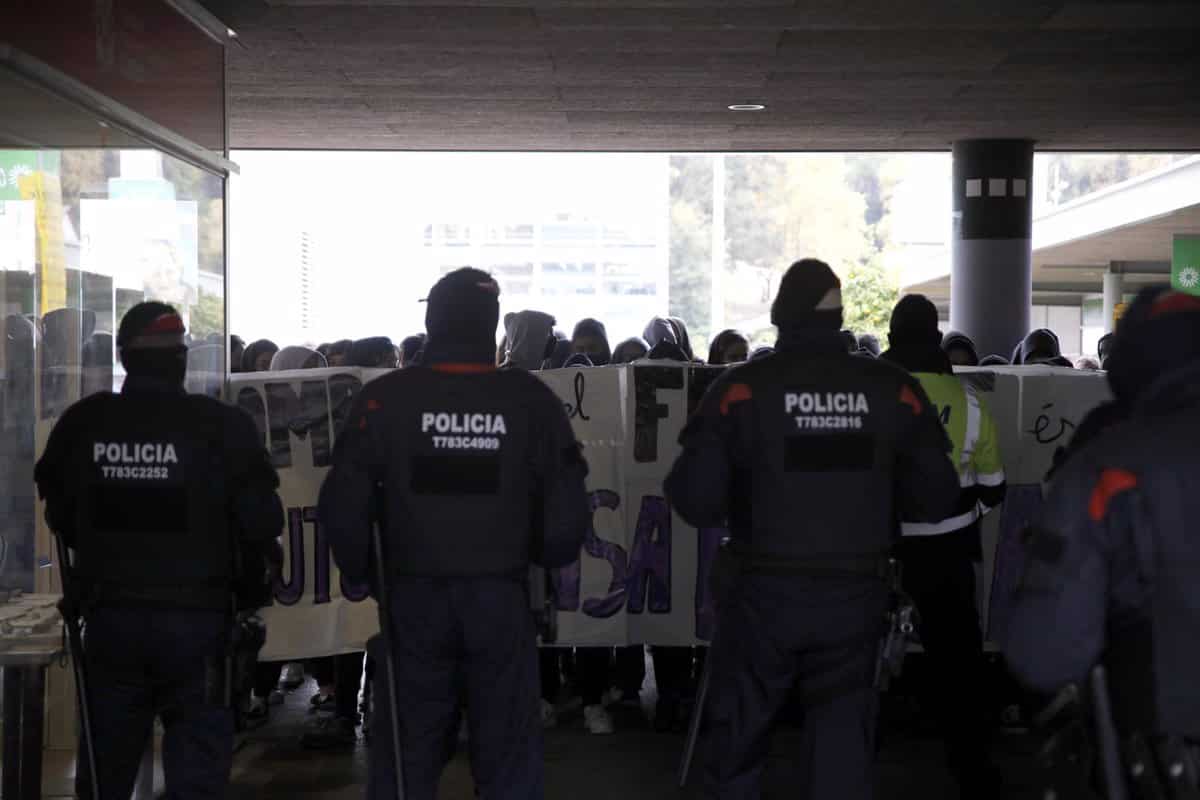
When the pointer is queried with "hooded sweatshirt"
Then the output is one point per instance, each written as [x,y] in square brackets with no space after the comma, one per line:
[1041,347]
[297,358]
[681,336]
[630,350]
[529,332]
[660,329]
[960,341]
[594,328]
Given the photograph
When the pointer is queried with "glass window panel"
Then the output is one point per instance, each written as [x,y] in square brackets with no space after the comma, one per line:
[85,235]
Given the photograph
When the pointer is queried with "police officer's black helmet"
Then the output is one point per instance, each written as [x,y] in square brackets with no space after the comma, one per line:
[463,303]
[150,325]
[810,295]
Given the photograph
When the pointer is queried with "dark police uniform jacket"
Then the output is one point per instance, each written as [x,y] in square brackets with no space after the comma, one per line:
[813,454]
[473,471]
[1114,563]
[167,498]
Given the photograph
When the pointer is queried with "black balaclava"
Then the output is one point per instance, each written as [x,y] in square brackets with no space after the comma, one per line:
[594,329]
[256,349]
[808,307]
[1159,334]
[151,343]
[1104,349]
[374,351]
[630,350]
[960,341]
[577,360]
[850,341]
[461,319]
[913,337]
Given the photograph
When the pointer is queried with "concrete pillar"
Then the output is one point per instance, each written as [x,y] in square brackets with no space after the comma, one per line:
[1114,291]
[991,278]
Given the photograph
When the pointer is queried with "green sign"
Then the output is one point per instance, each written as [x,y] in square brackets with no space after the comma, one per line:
[14,164]
[1185,264]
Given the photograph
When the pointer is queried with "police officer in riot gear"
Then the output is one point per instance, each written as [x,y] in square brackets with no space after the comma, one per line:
[168,502]
[1112,557]
[472,473]
[810,455]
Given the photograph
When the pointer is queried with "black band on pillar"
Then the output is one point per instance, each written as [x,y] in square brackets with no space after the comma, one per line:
[993,198]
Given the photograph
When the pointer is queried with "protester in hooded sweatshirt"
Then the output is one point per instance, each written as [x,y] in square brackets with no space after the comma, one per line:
[410,350]
[530,335]
[591,339]
[258,355]
[960,350]
[237,350]
[630,350]
[375,352]
[728,347]
[939,556]
[560,351]
[295,357]
[663,340]
[1040,347]
[682,338]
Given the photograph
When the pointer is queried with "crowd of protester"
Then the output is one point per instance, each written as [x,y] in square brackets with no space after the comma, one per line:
[598,679]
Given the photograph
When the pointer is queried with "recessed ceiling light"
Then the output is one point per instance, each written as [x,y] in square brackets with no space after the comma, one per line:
[231,33]
[747,107]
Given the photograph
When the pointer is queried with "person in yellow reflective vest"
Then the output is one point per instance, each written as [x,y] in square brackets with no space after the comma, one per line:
[939,557]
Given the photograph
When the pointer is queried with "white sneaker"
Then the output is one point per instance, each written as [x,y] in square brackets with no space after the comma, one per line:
[597,720]
[549,715]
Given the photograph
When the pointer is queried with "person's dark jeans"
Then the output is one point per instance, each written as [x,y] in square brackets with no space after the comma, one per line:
[148,662]
[266,677]
[348,671]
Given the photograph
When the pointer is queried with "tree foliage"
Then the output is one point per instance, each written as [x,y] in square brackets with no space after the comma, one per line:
[691,242]
[868,297]
[206,316]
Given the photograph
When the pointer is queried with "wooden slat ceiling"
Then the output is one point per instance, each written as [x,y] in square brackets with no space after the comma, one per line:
[659,74]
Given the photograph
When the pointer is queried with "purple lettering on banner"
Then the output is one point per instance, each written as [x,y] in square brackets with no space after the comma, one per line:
[613,553]
[706,553]
[289,592]
[321,559]
[650,563]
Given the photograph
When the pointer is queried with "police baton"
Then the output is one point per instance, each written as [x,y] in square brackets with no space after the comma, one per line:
[689,747]
[1107,744]
[385,633]
[70,610]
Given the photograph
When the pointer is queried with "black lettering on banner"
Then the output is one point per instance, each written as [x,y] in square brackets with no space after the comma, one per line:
[647,410]
[1047,432]
[342,391]
[305,415]
[699,379]
[576,410]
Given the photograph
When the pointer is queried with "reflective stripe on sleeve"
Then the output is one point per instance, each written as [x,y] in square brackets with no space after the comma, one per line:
[974,422]
[938,528]
[990,478]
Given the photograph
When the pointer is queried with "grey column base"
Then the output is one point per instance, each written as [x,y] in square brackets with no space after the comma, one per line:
[990,288]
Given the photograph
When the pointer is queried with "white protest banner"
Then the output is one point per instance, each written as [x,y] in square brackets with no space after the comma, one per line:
[642,572]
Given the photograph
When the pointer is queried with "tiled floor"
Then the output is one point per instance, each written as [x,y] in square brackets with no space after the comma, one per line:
[634,763]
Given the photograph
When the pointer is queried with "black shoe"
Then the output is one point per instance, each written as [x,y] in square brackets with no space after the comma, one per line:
[330,733]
